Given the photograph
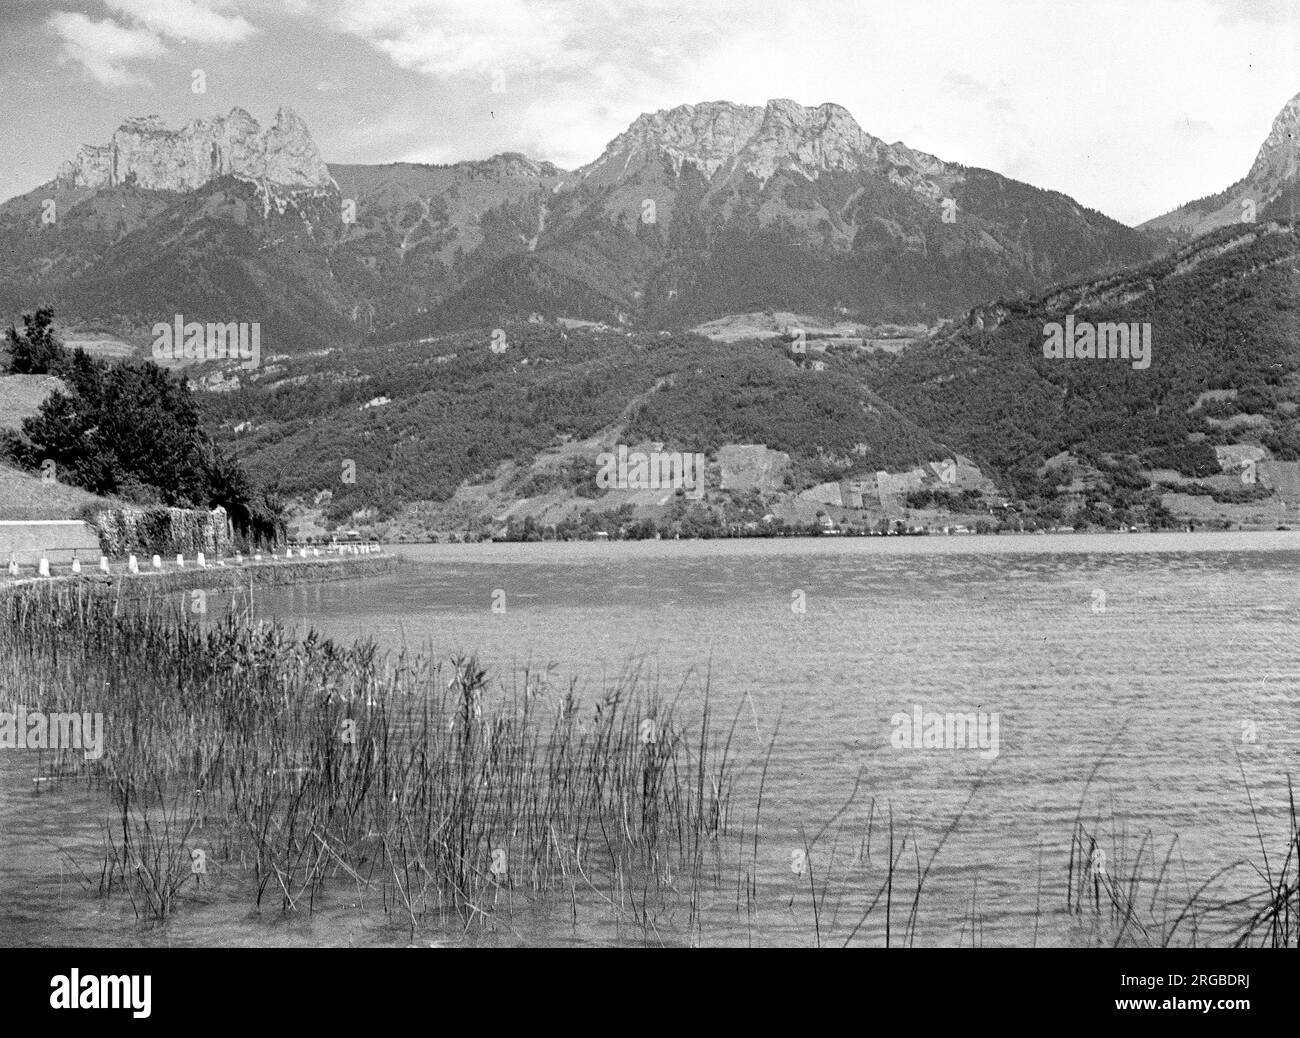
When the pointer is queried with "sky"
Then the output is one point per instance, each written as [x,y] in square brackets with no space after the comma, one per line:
[1132,108]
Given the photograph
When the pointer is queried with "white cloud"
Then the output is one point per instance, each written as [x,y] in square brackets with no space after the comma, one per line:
[106,47]
[563,73]
[193,21]
[456,37]
[563,38]
[103,48]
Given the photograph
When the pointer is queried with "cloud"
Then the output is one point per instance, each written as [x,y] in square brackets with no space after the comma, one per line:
[563,38]
[561,75]
[997,100]
[193,21]
[1269,12]
[457,37]
[103,48]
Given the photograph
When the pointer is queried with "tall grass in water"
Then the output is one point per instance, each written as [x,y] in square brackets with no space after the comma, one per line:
[301,762]
[1136,897]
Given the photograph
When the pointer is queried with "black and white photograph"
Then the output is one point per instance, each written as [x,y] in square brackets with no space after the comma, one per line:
[666,474]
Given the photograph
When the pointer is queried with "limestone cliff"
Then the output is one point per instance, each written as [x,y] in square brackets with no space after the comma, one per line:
[145,152]
[783,135]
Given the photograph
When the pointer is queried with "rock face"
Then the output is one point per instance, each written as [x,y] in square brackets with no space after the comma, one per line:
[1279,157]
[147,153]
[783,136]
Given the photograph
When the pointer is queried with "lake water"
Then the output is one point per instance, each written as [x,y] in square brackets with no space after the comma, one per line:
[1164,666]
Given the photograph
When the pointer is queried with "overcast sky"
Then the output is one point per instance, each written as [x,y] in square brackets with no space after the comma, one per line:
[1132,108]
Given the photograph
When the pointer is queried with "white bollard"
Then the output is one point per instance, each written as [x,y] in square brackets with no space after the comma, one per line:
[239,558]
[288,553]
[103,564]
[202,562]
[180,561]
[132,564]
[257,557]
[13,567]
[157,562]
[44,568]
[315,552]
[76,564]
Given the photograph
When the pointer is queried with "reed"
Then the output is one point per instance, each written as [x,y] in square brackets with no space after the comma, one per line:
[1139,897]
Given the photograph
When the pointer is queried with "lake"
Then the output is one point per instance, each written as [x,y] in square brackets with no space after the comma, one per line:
[1140,682]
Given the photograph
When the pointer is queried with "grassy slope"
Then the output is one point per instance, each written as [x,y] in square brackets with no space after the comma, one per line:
[25,497]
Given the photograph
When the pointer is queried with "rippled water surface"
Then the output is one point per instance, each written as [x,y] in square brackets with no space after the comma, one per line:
[1169,665]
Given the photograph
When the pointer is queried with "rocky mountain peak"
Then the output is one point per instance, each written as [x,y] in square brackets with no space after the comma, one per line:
[513,164]
[783,134]
[708,135]
[1276,166]
[812,140]
[146,152]
[1277,158]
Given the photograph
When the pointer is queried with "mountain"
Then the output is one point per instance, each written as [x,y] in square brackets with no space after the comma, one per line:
[447,434]
[1267,192]
[146,153]
[219,221]
[423,231]
[1222,386]
[689,215]
[453,429]
[382,292]
[720,208]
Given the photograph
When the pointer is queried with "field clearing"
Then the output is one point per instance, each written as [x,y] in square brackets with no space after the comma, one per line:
[102,349]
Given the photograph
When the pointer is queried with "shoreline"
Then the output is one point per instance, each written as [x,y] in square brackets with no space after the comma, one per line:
[274,571]
[855,535]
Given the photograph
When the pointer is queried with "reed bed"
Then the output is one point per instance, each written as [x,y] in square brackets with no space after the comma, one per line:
[302,763]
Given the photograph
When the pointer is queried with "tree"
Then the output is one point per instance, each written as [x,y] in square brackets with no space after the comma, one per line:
[35,350]
[132,430]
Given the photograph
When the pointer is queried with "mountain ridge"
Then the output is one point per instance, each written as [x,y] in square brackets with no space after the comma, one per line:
[690,214]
